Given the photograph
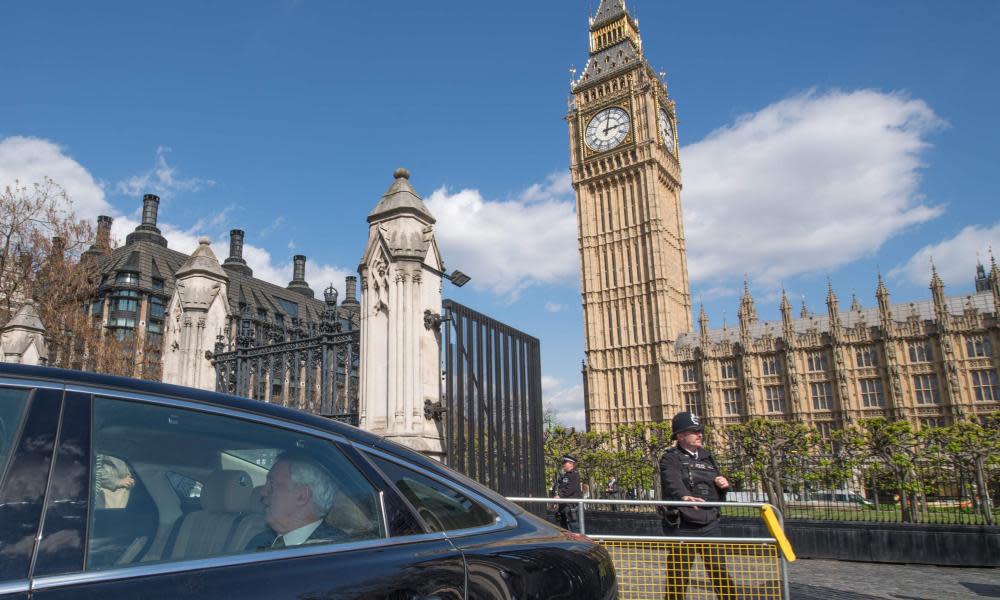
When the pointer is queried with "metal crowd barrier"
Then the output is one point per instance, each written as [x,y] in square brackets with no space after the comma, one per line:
[665,567]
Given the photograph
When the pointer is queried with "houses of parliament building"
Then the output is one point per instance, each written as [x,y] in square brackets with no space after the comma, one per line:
[930,361]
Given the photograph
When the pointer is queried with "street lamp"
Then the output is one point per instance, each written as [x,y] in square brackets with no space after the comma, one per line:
[457,278]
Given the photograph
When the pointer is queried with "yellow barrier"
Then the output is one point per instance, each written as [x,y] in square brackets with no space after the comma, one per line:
[656,569]
[777,531]
[679,568]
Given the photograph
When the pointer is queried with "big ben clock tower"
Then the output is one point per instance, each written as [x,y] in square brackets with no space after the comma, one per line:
[626,172]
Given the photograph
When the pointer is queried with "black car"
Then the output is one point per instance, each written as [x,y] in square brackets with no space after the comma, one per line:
[118,488]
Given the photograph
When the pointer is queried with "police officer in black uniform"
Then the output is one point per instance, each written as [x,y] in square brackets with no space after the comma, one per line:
[568,486]
[688,472]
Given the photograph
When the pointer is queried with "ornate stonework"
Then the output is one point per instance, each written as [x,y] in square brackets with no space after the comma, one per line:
[929,361]
[636,297]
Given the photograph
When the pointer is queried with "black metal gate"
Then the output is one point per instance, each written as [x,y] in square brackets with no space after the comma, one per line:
[493,402]
[318,374]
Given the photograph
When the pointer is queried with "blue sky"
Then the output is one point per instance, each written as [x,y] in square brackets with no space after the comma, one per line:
[816,140]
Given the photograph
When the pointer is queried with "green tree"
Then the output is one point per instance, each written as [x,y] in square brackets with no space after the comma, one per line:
[769,452]
[971,448]
[893,449]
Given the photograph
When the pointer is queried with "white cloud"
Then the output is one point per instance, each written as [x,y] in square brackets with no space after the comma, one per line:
[30,160]
[564,402]
[508,245]
[954,258]
[809,183]
[161,180]
[554,307]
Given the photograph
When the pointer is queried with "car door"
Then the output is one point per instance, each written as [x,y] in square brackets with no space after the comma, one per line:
[29,418]
[372,546]
[506,557]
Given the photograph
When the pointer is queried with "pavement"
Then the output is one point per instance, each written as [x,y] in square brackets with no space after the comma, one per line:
[642,573]
[812,579]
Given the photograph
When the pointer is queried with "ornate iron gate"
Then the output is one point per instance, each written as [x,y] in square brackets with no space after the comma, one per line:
[318,373]
[492,402]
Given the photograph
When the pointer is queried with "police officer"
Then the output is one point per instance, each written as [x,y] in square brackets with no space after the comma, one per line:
[689,473]
[568,486]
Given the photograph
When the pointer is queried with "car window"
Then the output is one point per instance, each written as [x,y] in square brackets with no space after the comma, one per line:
[441,507]
[172,484]
[12,404]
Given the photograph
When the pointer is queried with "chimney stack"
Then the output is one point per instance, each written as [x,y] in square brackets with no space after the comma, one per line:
[235,261]
[351,293]
[298,282]
[150,204]
[102,242]
[147,230]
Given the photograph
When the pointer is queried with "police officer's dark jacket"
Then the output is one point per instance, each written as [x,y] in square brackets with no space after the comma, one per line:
[684,475]
[568,485]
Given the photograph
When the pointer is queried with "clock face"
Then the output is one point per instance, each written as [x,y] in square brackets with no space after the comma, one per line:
[666,130]
[607,129]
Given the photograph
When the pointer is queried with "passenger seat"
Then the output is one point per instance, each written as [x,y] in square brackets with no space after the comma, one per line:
[225,497]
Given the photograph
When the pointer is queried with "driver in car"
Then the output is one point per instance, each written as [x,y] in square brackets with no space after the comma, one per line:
[298,495]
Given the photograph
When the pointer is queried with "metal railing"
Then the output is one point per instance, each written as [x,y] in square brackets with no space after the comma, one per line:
[654,566]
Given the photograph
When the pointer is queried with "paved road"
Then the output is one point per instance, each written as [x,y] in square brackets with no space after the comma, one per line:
[642,574]
[837,580]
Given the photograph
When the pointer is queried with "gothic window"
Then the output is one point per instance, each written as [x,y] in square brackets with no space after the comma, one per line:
[693,404]
[824,428]
[157,284]
[920,352]
[822,395]
[926,389]
[866,356]
[689,372]
[817,361]
[770,365]
[985,385]
[977,346]
[926,422]
[728,369]
[731,401]
[871,393]
[775,395]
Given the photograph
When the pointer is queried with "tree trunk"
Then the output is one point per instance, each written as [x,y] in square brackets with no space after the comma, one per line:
[986,503]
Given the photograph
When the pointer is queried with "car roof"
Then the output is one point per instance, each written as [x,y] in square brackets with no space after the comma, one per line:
[128,384]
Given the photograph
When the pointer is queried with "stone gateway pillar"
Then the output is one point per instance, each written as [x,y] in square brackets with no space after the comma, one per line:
[401,277]
[196,313]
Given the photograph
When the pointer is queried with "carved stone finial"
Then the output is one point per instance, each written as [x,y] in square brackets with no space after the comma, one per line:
[401,173]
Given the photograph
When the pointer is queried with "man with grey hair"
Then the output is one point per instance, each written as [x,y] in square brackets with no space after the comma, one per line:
[297,497]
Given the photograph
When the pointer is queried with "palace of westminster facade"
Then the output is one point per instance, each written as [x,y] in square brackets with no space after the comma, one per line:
[930,362]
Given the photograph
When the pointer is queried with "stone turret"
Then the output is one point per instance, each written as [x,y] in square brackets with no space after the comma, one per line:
[884,307]
[235,262]
[22,339]
[298,282]
[400,341]
[147,231]
[703,325]
[937,294]
[747,313]
[786,315]
[833,308]
[197,311]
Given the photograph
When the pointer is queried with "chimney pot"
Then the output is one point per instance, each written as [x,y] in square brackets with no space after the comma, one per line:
[299,270]
[150,204]
[236,243]
[351,290]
